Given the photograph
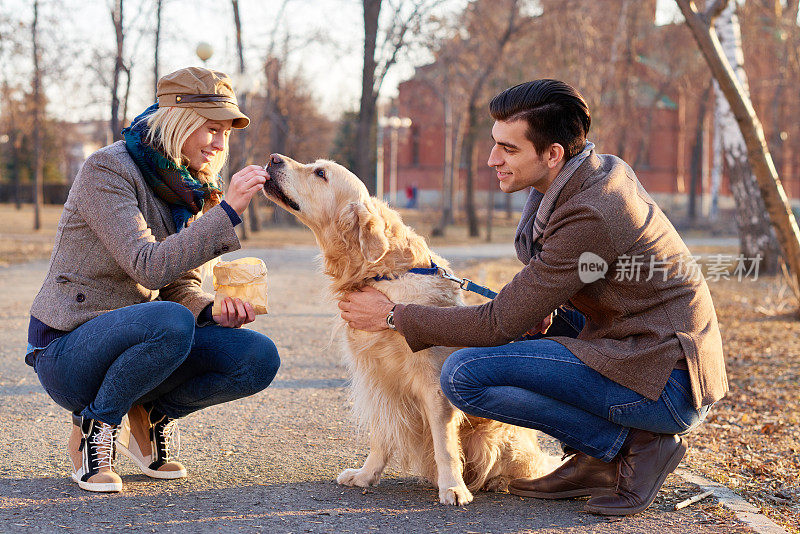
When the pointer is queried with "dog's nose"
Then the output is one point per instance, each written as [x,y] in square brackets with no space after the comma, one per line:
[275,159]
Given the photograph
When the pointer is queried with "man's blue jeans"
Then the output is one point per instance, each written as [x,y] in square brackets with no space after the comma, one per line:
[538,383]
[153,352]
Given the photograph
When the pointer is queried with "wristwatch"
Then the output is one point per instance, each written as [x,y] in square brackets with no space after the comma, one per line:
[390,318]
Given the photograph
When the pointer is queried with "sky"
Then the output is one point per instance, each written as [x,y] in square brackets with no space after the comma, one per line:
[324,44]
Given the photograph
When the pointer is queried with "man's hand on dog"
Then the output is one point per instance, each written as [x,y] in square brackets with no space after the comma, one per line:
[235,313]
[366,309]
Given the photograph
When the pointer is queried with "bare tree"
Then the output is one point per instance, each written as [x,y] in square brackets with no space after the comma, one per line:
[119,68]
[11,125]
[756,238]
[769,184]
[237,23]
[241,144]
[443,78]
[695,172]
[484,23]
[369,96]
[38,110]
[157,38]
[407,17]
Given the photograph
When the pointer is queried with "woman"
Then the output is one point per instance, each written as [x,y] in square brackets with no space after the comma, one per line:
[121,324]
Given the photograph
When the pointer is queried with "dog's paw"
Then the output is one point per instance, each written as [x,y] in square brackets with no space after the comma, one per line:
[498,484]
[457,495]
[357,477]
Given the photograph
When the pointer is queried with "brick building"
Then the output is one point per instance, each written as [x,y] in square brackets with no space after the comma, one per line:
[663,169]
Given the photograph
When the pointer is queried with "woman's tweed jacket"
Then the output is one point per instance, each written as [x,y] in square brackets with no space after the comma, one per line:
[116,245]
[642,317]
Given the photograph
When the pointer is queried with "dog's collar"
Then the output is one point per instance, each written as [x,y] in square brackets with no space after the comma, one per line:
[465,283]
[433,269]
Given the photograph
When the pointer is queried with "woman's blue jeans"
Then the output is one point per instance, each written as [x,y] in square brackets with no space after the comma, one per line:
[153,352]
[538,383]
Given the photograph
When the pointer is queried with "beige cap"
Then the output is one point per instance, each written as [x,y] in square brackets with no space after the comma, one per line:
[208,92]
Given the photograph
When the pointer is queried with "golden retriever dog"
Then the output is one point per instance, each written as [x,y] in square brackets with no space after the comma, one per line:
[396,393]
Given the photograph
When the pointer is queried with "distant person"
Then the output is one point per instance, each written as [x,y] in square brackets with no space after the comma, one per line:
[643,362]
[409,196]
[121,325]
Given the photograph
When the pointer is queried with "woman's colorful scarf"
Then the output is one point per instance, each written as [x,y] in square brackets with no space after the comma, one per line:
[175,185]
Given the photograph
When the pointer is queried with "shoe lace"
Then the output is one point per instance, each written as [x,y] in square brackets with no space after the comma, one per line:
[168,438]
[102,441]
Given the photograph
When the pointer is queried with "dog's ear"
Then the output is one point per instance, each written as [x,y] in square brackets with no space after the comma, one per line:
[371,231]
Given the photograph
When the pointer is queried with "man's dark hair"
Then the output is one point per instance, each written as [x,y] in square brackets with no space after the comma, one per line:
[555,112]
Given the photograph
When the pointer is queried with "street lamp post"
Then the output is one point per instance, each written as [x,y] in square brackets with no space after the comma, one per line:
[394,123]
[204,51]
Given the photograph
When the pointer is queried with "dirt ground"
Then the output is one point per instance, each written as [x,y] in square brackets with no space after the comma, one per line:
[751,440]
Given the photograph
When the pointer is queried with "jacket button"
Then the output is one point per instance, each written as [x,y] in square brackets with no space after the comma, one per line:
[80,297]
[225,248]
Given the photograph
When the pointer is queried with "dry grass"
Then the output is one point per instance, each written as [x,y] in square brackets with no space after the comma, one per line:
[751,439]
[423,222]
[19,242]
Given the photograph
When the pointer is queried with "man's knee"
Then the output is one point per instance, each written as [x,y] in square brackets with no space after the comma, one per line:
[455,378]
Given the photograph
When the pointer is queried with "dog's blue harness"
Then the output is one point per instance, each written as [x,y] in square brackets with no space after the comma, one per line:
[464,283]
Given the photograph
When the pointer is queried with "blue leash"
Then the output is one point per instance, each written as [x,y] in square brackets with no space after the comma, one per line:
[467,285]
[464,283]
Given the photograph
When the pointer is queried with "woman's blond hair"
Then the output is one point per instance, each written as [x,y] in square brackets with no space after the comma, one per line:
[170,127]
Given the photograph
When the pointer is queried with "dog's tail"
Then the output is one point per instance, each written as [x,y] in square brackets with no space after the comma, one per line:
[495,453]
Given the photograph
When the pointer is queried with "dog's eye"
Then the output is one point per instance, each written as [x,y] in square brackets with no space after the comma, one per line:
[320,173]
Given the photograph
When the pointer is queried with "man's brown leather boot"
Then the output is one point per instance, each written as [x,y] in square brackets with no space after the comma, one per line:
[645,460]
[580,476]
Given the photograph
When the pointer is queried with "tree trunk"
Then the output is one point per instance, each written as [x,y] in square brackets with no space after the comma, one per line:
[489,213]
[117,19]
[470,156]
[695,180]
[156,76]
[769,184]
[716,165]
[38,159]
[13,147]
[241,141]
[238,25]
[278,126]
[366,113]
[448,168]
[124,118]
[473,113]
[756,238]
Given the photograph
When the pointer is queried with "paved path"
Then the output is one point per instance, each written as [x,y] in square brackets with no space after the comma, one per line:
[266,463]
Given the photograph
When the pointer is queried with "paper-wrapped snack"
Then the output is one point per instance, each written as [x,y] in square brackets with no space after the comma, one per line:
[245,279]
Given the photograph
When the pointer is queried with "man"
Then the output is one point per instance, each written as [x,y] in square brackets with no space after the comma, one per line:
[647,363]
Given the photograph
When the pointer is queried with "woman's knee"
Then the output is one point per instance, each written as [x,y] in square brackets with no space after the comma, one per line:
[176,325]
[261,363]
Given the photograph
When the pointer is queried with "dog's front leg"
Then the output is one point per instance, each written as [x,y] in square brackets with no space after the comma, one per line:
[370,473]
[443,420]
